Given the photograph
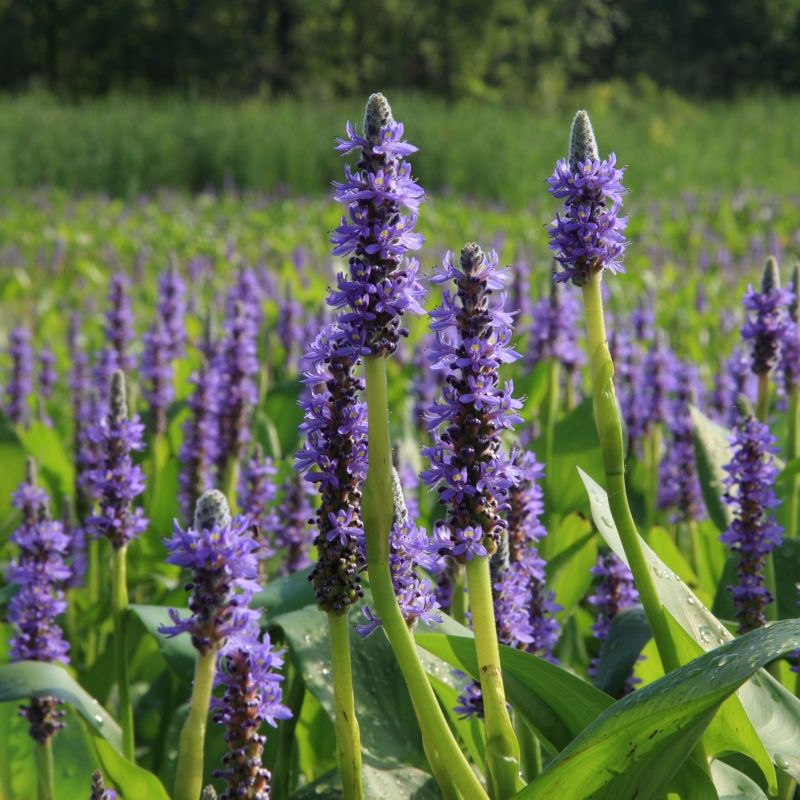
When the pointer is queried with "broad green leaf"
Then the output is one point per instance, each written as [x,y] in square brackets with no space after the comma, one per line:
[734,785]
[281,595]
[787,574]
[133,782]
[572,552]
[389,731]
[285,414]
[533,387]
[24,679]
[178,651]
[12,457]
[773,711]
[557,704]
[575,443]
[389,784]
[54,463]
[629,633]
[635,747]
[713,453]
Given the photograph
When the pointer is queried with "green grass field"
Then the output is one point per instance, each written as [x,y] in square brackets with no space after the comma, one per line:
[126,147]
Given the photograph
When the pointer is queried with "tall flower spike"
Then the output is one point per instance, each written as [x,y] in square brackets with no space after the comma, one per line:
[201,443]
[156,372]
[613,593]
[468,467]
[222,558]
[790,340]
[116,480]
[257,495]
[383,284]
[334,455]
[249,671]
[119,323]
[767,318]
[172,310]
[294,532]
[587,236]
[20,381]
[753,533]
[47,380]
[39,571]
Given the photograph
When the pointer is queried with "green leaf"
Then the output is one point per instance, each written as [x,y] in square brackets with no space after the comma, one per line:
[734,785]
[178,651]
[773,711]
[133,782]
[24,679]
[52,458]
[575,443]
[12,457]
[389,731]
[282,595]
[557,704]
[635,747]
[713,453]
[469,730]
[285,414]
[388,784]
[570,558]
[787,572]
[629,633]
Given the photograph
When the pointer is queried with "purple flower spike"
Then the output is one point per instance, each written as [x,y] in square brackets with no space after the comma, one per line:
[257,495]
[553,331]
[249,671]
[588,235]
[201,444]
[753,534]
[116,480]
[613,593]
[334,456]
[468,468]
[222,557]
[383,284]
[678,483]
[119,324]
[99,791]
[767,318]
[790,341]
[156,372]
[238,373]
[294,533]
[40,571]
[172,310]
[20,381]
[47,380]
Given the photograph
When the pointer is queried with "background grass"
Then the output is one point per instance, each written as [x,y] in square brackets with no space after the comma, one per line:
[125,147]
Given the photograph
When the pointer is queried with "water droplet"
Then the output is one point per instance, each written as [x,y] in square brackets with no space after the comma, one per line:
[781,761]
[690,599]
[98,719]
[659,572]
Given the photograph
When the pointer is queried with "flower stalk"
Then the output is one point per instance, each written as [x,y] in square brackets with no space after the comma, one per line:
[119,608]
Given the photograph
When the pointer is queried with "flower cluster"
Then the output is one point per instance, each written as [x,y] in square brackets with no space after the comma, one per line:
[767,319]
[47,379]
[248,669]
[656,380]
[238,372]
[257,494]
[20,381]
[156,372]
[222,557]
[39,572]
[334,456]
[753,533]
[678,481]
[119,331]
[116,480]
[468,468]
[200,448]
[588,235]
[790,341]
[552,334]
[293,532]
[613,593]
[382,284]
[172,310]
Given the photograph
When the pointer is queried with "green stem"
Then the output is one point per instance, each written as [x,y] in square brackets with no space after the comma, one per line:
[458,597]
[609,431]
[93,586]
[502,748]
[230,483]
[792,452]
[551,412]
[762,401]
[45,771]
[189,774]
[348,738]
[378,512]
[119,606]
